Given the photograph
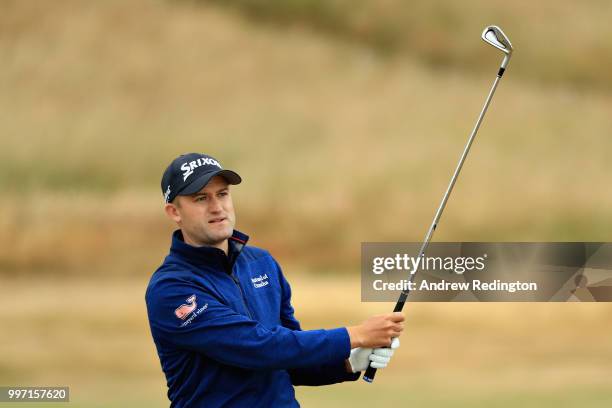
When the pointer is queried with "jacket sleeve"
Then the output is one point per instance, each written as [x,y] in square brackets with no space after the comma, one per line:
[217,331]
[332,371]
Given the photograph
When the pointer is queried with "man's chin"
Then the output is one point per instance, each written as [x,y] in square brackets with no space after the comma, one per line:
[219,237]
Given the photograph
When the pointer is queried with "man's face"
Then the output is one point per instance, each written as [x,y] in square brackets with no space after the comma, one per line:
[206,217]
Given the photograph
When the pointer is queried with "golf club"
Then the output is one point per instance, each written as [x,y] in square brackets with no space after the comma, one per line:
[496,37]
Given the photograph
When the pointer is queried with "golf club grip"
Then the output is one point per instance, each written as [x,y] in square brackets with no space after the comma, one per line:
[369,374]
[371,371]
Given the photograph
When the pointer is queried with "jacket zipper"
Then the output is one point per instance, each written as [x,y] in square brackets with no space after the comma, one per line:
[237,282]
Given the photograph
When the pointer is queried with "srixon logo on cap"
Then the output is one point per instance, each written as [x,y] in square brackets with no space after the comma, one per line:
[190,166]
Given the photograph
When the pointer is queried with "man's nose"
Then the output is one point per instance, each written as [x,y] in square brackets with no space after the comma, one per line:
[214,205]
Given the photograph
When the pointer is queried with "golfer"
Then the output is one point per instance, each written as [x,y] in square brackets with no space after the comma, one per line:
[220,310]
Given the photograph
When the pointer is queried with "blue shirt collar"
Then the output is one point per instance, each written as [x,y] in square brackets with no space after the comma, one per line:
[207,255]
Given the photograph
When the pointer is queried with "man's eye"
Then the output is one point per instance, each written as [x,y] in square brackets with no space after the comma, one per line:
[200,198]
[223,194]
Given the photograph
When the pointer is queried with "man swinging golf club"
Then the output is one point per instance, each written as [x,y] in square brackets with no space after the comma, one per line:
[220,310]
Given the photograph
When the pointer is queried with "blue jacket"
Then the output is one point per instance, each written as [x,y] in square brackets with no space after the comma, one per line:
[225,331]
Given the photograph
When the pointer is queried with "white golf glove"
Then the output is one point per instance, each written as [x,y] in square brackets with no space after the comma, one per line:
[360,357]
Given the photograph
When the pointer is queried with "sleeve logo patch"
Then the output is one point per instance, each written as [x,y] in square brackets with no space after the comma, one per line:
[185,309]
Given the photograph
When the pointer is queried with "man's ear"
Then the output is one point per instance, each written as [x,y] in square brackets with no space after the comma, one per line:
[172,212]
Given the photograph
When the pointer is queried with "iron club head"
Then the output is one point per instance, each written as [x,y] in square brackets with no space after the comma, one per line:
[496,37]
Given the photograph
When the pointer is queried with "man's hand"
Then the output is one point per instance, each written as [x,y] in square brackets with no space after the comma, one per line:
[377,331]
[360,358]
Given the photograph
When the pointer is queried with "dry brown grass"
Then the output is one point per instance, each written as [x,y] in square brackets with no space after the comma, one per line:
[336,144]
[559,42]
[94,337]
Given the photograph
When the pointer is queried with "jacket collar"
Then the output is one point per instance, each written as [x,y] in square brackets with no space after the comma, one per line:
[209,256]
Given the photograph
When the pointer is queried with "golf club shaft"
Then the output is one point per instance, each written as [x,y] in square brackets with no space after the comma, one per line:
[371,372]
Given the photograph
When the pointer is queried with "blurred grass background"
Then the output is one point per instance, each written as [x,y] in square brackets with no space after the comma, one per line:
[346,120]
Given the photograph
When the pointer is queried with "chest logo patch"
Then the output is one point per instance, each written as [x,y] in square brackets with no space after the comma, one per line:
[260,281]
